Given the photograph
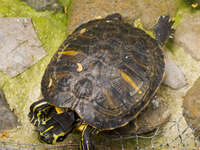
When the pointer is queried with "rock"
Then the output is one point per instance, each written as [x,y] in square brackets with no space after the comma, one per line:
[190,38]
[151,10]
[19,45]
[44,4]
[191,107]
[153,117]
[174,76]
[128,9]
[7,120]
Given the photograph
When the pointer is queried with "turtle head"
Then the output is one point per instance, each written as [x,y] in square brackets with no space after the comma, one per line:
[55,128]
[51,135]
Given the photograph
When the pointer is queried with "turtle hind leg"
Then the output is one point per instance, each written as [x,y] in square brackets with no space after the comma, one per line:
[87,138]
[163,29]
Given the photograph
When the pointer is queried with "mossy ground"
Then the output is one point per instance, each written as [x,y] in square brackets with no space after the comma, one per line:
[22,90]
[51,28]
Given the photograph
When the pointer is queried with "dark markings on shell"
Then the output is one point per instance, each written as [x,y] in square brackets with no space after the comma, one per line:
[122,68]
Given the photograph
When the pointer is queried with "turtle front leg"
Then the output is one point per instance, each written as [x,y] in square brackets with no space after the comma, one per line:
[163,29]
[39,111]
[87,135]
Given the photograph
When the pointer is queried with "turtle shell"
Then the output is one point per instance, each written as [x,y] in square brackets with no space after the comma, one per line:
[106,71]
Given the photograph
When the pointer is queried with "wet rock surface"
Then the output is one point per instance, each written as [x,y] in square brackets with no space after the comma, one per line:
[153,117]
[174,77]
[191,107]
[19,45]
[44,4]
[190,38]
[7,119]
[147,10]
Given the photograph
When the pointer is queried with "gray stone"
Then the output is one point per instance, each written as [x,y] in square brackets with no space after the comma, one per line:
[147,10]
[19,45]
[187,34]
[7,120]
[154,116]
[44,4]
[191,107]
[174,76]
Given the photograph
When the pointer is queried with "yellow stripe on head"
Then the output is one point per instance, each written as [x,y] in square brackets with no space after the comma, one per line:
[51,127]
[70,53]
[55,137]
[130,81]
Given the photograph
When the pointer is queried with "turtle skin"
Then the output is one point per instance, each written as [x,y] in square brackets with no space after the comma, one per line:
[107,71]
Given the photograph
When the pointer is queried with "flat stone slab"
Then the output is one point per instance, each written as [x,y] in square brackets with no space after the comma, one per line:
[147,10]
[19,45]
[187,34]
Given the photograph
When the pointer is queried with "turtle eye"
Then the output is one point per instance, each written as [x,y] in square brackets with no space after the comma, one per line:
[60,139]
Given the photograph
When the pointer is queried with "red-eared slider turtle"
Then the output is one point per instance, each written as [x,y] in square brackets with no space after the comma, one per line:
[105,73]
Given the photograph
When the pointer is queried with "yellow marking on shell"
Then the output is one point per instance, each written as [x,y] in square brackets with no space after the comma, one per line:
[195,5]
[83,30]
[70,53]
[50,83]
[51,127]
[99,17]
[136,115]
[110,102]
[130,81]
[80,67]
[59,110]
[81,127]
[55,137]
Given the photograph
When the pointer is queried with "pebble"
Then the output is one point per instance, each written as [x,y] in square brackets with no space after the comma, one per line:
[7,120]
[174,77]
[190,38]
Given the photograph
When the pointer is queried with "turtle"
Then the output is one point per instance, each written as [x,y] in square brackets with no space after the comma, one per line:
[102,77]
